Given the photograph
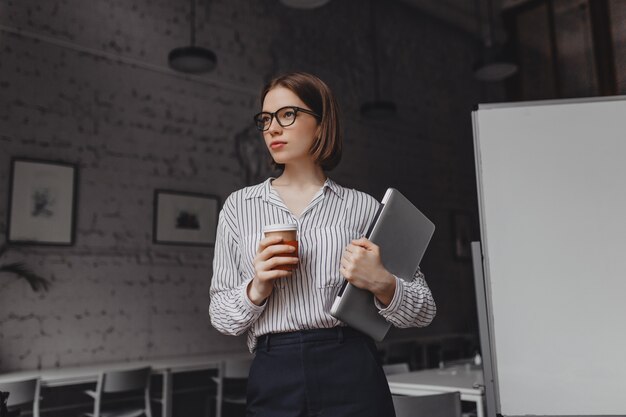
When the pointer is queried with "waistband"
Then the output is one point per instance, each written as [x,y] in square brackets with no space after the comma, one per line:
[337,334]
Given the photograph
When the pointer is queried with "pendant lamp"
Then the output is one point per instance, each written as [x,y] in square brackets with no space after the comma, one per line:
[304,4]
[377,109]
[493,66]
[192,59]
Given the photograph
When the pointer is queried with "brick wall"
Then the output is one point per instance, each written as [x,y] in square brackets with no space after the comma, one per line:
[88,83]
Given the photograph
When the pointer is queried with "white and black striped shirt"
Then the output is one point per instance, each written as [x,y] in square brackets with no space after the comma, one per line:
[335,216]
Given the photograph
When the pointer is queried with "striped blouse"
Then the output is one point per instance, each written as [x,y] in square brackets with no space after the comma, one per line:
[335,216]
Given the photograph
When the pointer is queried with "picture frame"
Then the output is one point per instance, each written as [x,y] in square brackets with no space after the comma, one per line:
[185,218]
[462,234]
[42,202]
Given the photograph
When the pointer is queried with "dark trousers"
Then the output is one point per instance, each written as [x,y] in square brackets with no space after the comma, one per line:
[318,373]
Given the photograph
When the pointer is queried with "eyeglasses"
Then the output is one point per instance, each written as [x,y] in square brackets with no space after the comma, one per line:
[285,116]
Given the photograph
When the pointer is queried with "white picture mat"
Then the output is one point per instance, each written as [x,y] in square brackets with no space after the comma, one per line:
[553,202]
[57,181]
[170,205]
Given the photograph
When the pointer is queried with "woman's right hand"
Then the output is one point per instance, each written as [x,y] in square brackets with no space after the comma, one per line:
[264,263]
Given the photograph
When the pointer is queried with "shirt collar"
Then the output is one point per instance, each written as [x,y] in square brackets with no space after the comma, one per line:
[259,190]
[336,188]
[263,189]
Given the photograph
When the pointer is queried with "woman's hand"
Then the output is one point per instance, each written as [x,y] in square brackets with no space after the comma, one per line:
[265,263]
[362,267]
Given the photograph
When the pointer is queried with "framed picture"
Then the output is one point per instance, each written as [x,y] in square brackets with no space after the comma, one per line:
[462,234]
[182,218]
[42,202]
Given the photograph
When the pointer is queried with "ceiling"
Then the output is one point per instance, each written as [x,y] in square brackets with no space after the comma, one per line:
[463,14]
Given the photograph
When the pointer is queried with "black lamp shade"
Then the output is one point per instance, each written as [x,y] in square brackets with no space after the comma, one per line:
[494,66]
[192,59]
[304,4]
[494,71]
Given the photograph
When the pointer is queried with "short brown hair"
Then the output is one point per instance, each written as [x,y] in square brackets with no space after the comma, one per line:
[326,149]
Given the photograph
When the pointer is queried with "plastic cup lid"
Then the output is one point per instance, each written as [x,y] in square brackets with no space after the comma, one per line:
[280,227]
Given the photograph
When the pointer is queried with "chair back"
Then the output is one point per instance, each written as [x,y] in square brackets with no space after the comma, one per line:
[127,380]
[396,368]
[21,392]
[437,405]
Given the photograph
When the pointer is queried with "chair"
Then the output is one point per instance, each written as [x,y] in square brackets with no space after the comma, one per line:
[396,368]
[116,382]
[232,383]
[22,393]
[437,405]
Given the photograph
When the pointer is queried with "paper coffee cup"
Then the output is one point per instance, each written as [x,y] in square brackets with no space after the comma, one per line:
[289,233]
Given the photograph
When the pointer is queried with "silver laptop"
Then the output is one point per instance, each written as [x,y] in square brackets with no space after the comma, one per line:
[402,232]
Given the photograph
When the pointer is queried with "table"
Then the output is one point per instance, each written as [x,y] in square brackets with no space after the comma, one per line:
[468,380]
[166,367]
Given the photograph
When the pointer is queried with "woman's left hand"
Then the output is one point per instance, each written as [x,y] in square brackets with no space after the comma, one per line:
[362,267]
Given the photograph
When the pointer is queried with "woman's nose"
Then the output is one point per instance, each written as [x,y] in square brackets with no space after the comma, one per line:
[275,127]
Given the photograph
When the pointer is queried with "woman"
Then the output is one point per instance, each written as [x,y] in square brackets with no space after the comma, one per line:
[307,362]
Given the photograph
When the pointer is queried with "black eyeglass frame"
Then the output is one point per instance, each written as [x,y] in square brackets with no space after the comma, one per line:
[296,109]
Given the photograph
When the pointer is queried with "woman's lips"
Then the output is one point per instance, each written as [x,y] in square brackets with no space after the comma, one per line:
[277,145]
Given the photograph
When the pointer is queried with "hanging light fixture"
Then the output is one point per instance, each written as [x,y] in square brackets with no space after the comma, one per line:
[377,109]
[192,59]
[493,66]
[304,4]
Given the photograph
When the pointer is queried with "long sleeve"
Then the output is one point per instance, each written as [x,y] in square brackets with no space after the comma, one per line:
[230,309]
[412,304]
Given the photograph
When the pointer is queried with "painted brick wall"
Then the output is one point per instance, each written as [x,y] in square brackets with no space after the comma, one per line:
[87,83]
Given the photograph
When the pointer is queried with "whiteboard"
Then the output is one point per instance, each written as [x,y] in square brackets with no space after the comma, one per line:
[552,195]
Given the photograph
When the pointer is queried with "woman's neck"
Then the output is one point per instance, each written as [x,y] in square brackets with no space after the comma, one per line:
[301,176]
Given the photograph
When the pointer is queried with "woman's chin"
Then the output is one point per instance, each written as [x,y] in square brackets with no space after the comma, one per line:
[279,158]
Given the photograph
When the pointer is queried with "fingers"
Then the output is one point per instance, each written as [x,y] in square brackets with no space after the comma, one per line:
[276,250]
[278,261]
[361,246]
[365,243]
[269,271]
[353,249]
[266,252]
[350,254]
[274,260]
[273,274]
[268,241]
[359,258]
[345,267]
[347,263]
